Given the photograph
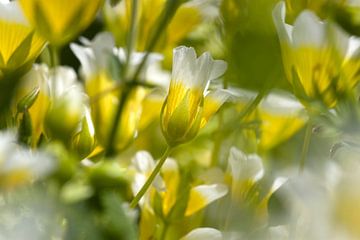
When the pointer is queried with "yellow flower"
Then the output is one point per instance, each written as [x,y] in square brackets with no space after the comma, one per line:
[19,44]
[164,195]
[187,18]
[104,91]
[281,117]
[59,21]
[60,94]
[189,105]
[20,165]
[319,58]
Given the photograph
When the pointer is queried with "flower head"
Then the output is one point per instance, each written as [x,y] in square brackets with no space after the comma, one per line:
[104,90]
[189,105]
[59,20]
[19,44]
[321,61]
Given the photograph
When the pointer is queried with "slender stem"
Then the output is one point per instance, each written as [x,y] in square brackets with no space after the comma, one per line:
[306,145]
[164,230]
[165,17]
[54,62]
[131,36]
[116,122]
[54,56]
[151,178]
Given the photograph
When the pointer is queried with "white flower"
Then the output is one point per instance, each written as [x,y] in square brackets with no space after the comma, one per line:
[320,59]
[189,105]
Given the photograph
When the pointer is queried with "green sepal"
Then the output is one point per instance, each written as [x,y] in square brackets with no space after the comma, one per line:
[179,120]
[83,142]
[26,102]
[21,52]
[25,128]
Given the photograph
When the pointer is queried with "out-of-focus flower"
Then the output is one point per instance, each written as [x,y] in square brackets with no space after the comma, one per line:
[248,199]
[104,91]
[187,17]
[19,165]
[203,233]
[281,116]
[60,21]
[189,105]
[321,61]
[60,97]
[165,191]
[19,44]
[243,172]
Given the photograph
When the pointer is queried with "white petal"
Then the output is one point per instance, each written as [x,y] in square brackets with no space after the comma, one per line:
[309,31]
[184,65]
[143,162]
[203,195]
[203,234]
[87,59]
[245,167]
[11,11]
[218,69]
[281,103]
[340,39]
[209,9]
[353,47]
[219,95]
[284,30]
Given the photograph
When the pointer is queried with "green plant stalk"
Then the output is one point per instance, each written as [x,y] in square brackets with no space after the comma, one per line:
[54,54]
[165,17]
[164,230]
[110,150]
[131,39]
[305,148]
[151,178]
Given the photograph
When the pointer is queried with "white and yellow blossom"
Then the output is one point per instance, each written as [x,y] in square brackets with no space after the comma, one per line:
[188,17]
[279,113]
[104,91]
[167,188]
[59,21]
[19,165]
[19,44]
[60,96]
[321,61]
[281,117]
[189,104]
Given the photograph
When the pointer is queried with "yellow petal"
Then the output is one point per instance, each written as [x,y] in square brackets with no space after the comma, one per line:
[201,196]
[60,20]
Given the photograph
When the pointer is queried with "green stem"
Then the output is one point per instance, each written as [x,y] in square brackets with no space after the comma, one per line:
[132,35]
[151,178]
[164,230]
[116,122]
[306,145]
[54,53]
